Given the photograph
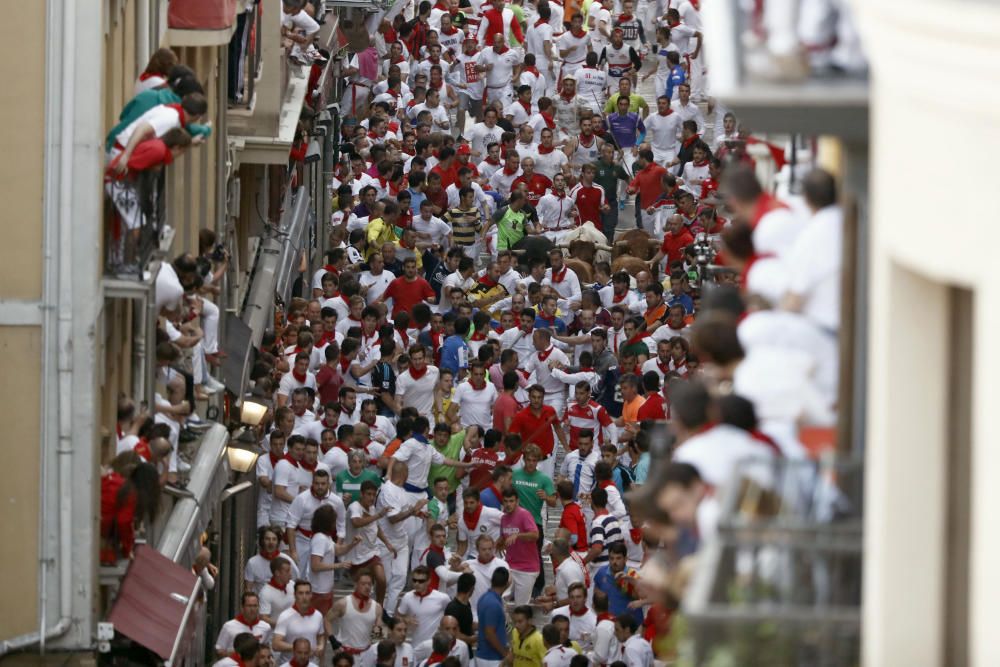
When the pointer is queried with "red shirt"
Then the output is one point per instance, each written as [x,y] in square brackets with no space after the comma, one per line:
[674,244]
[652,408]
[448,176]
[485,460]
[538,184]
[505,406]
[405,295]
[647,184]
[328,382]
[439,199]
[588,202]
[572,520]
[536,430]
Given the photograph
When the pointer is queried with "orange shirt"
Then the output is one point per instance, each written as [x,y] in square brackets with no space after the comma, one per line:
[630,410]
[655,315]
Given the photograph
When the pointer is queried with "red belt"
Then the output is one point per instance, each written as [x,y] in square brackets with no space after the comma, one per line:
[353,651]
[307,533]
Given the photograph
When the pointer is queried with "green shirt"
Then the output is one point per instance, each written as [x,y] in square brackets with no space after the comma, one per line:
[452,450]
[527,485]
[607,177]
[519,17]
[636,102]
[510,226]
[348,483]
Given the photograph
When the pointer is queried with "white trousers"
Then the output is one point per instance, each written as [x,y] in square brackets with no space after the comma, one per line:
[522,585]
[396,570]
[210,326]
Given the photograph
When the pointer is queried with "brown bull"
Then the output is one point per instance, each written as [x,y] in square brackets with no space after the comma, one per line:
[584,271]
[628,263]
[637,243]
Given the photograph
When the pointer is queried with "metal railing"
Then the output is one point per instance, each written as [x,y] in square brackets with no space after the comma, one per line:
[135,215]
[781,583]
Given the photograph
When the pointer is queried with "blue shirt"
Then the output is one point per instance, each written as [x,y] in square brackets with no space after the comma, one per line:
[617,600]
[642,468]
[454,354]
[684,300]
[416,198]
[556,324]
[489,499]
[491,614]
[628,130]
[674,79]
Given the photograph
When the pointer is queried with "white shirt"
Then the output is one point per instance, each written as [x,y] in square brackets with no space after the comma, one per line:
[398,500]
[551,163]
[302,509]
[291,478]
[534,40]
[274,602]
[776,231]
[556,213]
[481,136]
[418,394]
[436,228]
[662,132]
[258,571]
[516,111]
[577,47]
[336,460]
[718,452]
[366,549]
[568,288]
[484,572]
[569,572]
[475,405]
[428,610]
[636,652]
[261,630]
[502,181]
[572,461]
[597,38]
[606,647]
[502,73]
[418,457]
[578,625]
[321,545]
[439,115]
[542,373]
[813,263]
[488,524]
[591,86]
[518,341]
[376,284]
[690,111]
[559,656]
[293,625]
[161,118]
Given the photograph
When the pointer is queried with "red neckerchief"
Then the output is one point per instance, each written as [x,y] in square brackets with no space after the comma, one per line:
[542,356]
[669,111]
[766,440]
[664,368]
[487,281]
[618,299]
[300,378]
[143,450]
[244,621]
[269,555]
[501,51]
[436,337]
[492,487]
[429,590]
[545,150]
[472,520]
[636,338]
[119,431]
[494,162]
[607,483]
[605,616]
[273,583]
[235,657]
[317,497]
[288,457]
[578,35]
[406,338]
[145,76]
[593,137]
[527,107]
[550,320]
[274,459]
[436,659]
[701,163]
[478,336]
[765,204]
[562,94]
[362,599]
[308,612]
[345,363]
[311,467]
[561,275]
[453,31]
[180,113]
[342,447]
[415,374]
[578,613]
[540,22]
[508,173]
[550,122]
[624,17]
[295,663]
[690,140]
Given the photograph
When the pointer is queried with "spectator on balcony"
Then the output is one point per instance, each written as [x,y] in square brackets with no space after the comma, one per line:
[300,28]
[181,81]
[157,70]
[154,124]
[127,502]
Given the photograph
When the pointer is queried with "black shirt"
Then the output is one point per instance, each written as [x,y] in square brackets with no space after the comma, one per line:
[463,613]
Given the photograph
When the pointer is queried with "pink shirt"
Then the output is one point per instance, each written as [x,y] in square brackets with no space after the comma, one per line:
[522,555]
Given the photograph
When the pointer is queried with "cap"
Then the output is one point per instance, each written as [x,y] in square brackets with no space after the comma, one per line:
[569,77]
[464,149]
[470,38]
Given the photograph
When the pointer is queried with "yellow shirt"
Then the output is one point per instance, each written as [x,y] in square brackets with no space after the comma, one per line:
[531,652]
[379,233]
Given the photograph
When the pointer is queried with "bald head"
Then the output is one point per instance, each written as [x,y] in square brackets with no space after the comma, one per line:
[160,448]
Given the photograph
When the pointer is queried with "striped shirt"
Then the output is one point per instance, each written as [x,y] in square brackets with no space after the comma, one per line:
[465,225]
[604,529]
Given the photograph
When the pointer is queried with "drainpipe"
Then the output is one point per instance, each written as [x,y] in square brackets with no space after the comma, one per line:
[56,320]
[142,30]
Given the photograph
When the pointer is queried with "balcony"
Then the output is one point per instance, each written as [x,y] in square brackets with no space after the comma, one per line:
[781,583]
[822,101]
[134,224]
[201,22]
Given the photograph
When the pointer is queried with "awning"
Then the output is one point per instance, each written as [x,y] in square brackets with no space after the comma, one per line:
[155,602]
[200,22]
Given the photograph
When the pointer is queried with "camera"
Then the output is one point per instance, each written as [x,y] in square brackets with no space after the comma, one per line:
[703,250]
[218,253]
